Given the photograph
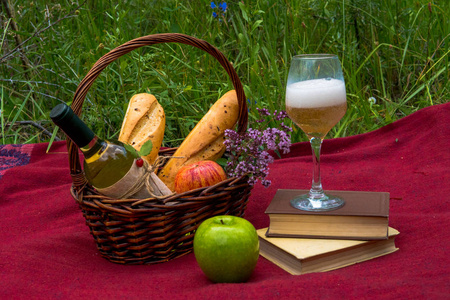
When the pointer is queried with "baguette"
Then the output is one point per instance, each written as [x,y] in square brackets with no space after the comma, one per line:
[205,141]
[144,120]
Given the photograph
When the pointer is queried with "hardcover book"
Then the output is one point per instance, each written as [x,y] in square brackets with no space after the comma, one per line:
[300,256]
[365,216]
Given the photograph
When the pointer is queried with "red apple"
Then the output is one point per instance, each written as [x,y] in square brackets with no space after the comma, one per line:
[200,174]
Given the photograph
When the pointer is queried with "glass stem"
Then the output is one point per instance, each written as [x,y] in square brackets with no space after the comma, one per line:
[316,191]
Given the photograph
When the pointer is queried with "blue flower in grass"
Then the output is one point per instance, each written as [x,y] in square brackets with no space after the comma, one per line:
[222,8]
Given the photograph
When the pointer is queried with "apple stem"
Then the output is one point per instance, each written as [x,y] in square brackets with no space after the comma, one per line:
[221,221]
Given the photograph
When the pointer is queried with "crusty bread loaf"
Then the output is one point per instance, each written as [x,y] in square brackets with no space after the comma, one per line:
[205,141]
[144,120]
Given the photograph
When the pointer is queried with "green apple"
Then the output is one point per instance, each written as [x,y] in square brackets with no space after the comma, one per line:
[226,248]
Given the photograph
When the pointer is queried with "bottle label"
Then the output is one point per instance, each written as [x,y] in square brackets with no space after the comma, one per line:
[138,183]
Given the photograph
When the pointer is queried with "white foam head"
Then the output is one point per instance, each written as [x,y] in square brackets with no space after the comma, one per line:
[316,93]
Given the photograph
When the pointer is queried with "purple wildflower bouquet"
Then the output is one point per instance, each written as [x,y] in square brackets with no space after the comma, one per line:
[249,152]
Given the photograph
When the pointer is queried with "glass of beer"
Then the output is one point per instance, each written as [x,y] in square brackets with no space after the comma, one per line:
[315,101]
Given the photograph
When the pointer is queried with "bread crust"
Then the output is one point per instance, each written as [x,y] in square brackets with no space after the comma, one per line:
[144,120]
[205,141]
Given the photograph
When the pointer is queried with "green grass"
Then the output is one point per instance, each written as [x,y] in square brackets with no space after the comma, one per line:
[393,51]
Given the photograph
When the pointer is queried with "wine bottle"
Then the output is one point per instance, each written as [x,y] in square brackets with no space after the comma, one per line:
[105,162]
[108,165]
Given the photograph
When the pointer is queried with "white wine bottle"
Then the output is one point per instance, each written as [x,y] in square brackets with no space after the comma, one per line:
[109,166]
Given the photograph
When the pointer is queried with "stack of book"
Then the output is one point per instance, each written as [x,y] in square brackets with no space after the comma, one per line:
[303,242]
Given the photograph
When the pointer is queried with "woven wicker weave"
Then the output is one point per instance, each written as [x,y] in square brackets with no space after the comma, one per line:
[131,231]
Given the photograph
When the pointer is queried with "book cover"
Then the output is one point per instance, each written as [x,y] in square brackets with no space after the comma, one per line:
[300,255]
[365,216]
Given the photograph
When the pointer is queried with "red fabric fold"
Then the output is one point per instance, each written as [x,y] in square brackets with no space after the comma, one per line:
[47,251]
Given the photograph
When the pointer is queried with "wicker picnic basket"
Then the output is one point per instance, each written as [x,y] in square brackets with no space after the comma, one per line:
[133,231]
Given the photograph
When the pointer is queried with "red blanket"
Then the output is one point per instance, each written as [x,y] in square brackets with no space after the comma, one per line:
[47,251]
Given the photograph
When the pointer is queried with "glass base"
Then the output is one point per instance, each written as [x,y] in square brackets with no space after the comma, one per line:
[325,203]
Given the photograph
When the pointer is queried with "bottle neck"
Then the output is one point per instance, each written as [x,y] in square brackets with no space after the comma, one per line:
[64,117]
[95,146]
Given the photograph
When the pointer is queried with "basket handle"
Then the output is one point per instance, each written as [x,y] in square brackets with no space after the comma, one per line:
[76,172]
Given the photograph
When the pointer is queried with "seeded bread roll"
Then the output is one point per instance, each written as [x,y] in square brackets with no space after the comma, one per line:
[144,120]
[205,141]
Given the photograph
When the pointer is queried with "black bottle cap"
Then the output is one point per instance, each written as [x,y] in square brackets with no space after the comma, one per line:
[64,117]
